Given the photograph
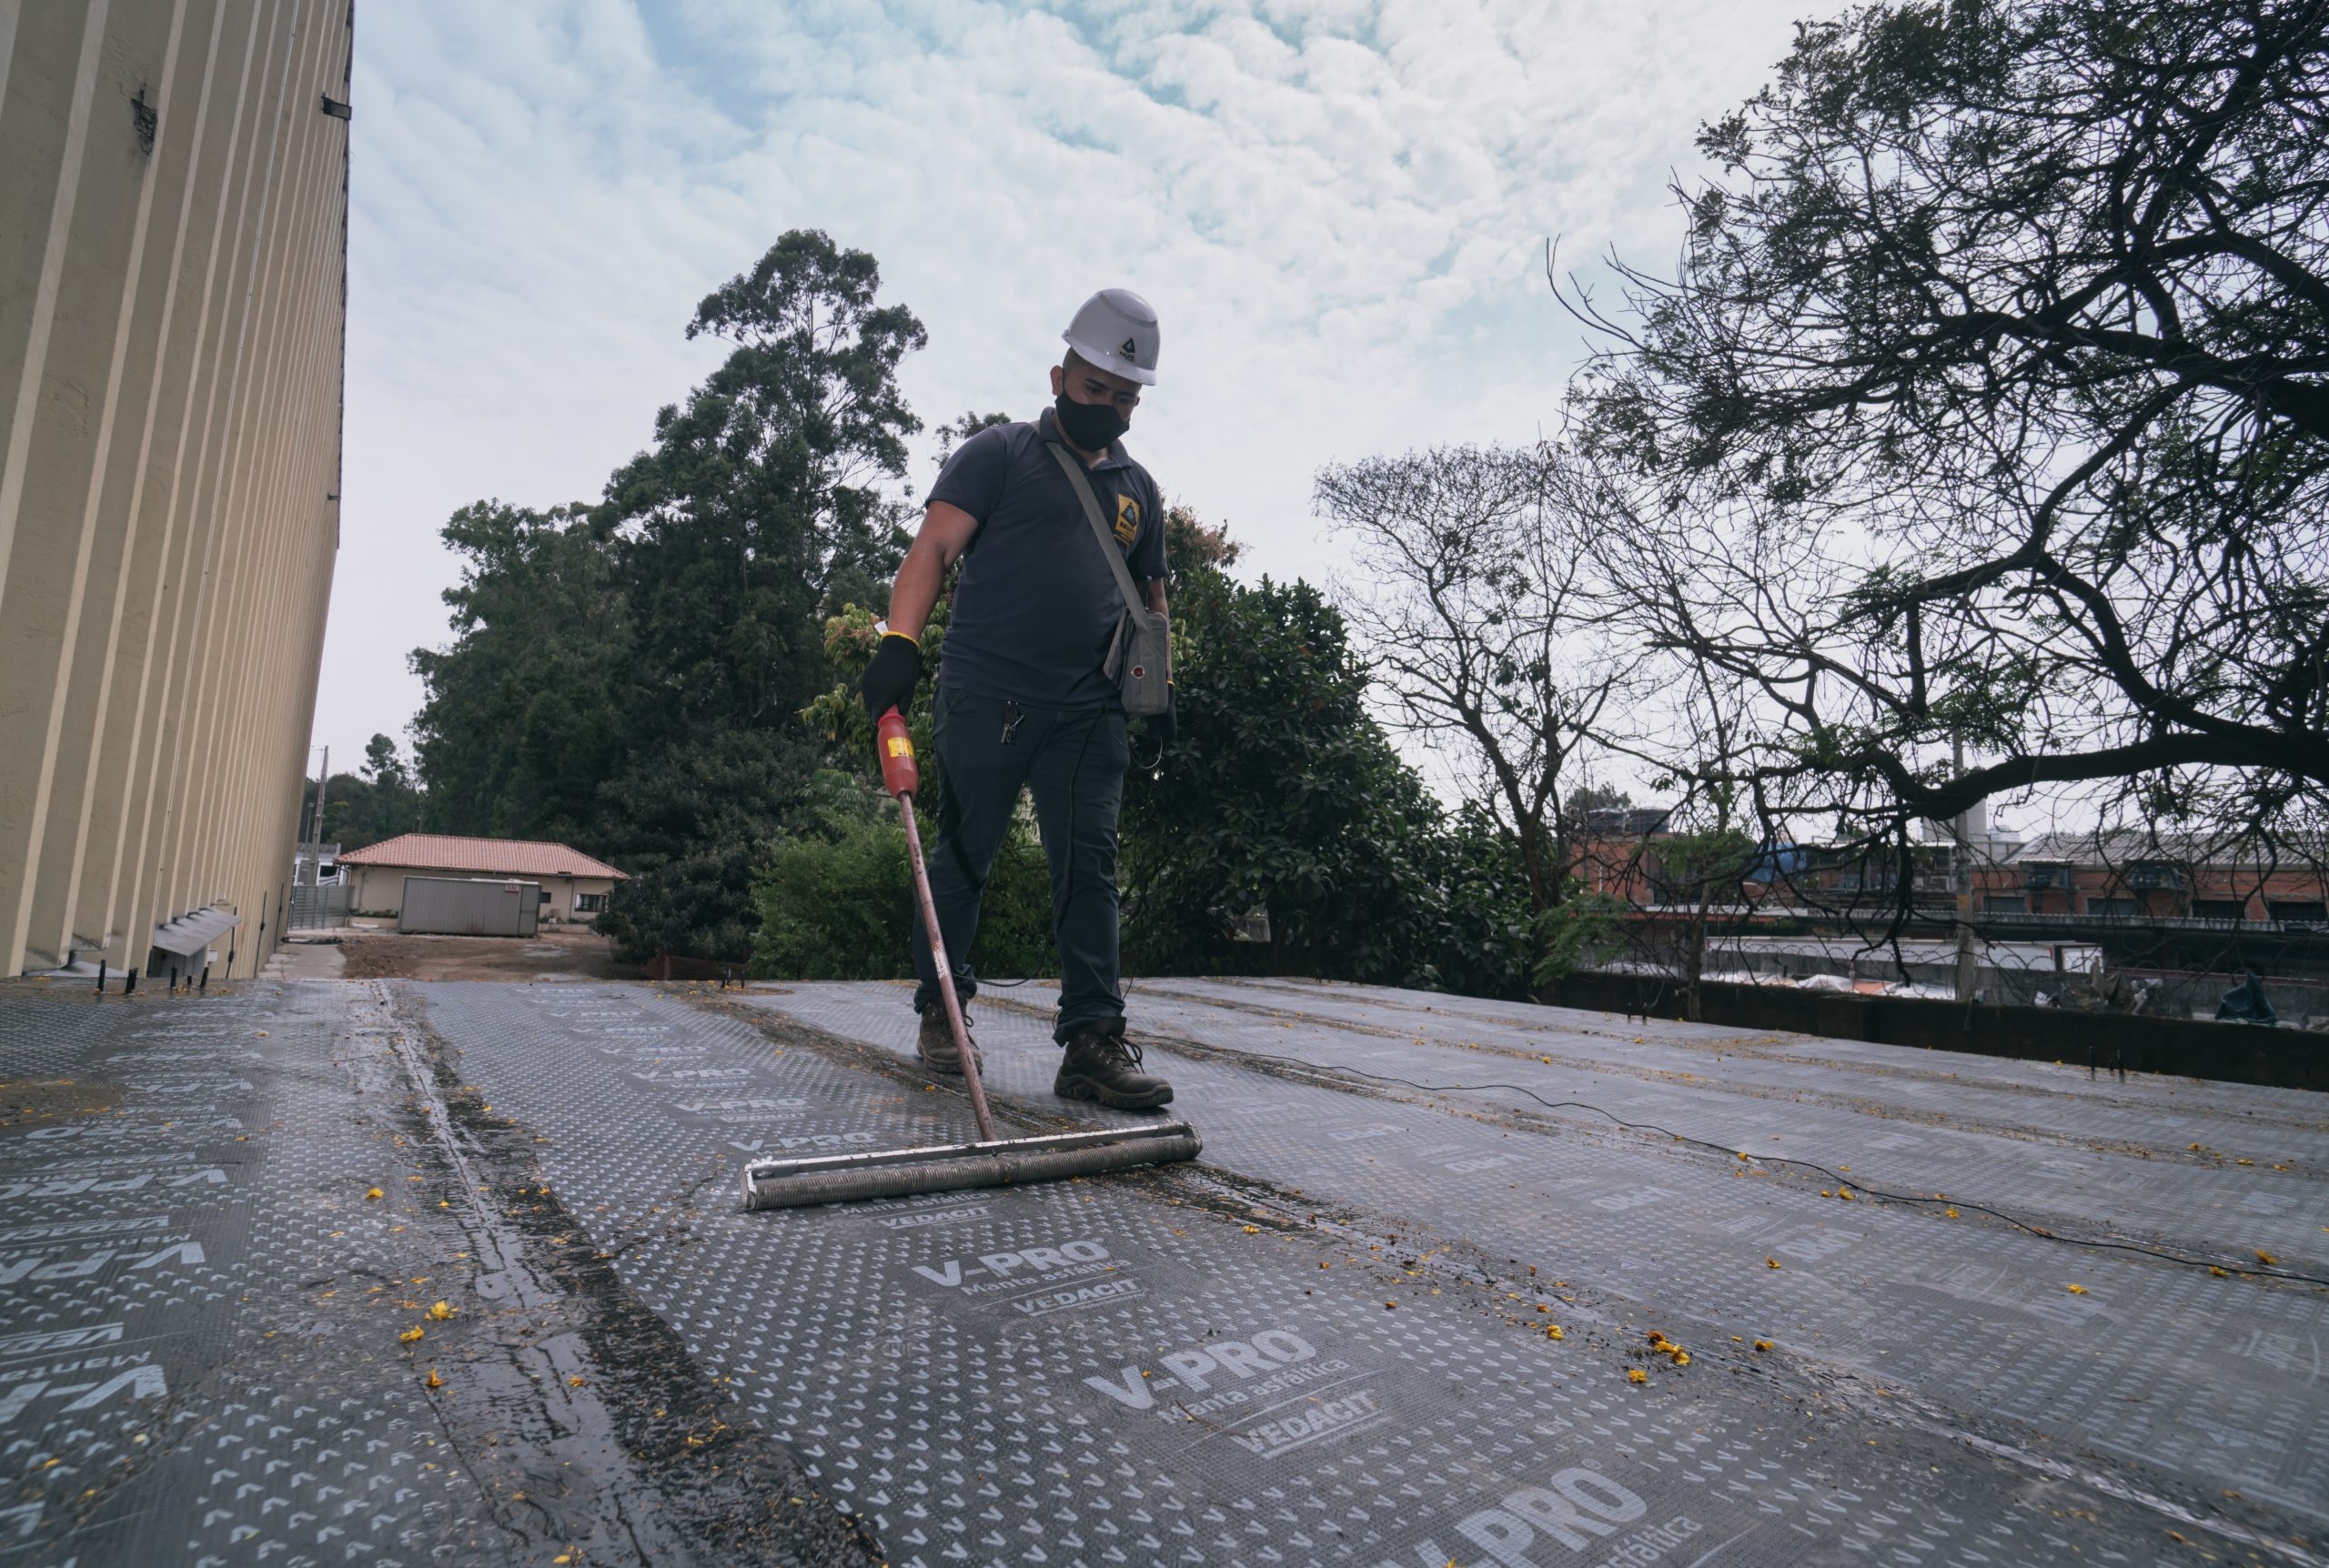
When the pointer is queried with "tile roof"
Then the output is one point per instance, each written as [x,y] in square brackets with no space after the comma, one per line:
[493,857]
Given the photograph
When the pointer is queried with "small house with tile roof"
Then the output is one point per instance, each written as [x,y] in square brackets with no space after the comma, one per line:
[574,886]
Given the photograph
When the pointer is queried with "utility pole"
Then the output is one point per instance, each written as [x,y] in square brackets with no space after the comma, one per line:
[308,866]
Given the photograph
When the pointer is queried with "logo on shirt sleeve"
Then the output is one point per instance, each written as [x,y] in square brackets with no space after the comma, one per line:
[1127,520]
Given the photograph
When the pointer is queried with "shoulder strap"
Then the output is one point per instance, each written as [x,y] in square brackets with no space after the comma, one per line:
[1099,529]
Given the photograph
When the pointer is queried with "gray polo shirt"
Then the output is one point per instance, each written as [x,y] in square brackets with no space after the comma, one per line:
[1036,602]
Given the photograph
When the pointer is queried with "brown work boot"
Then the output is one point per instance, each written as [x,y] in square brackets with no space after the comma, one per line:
[937,1045]
[1101,1064]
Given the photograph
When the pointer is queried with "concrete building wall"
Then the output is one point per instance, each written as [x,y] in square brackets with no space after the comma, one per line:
[173,305]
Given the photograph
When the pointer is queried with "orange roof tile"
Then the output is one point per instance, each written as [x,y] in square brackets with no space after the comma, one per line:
[491,857]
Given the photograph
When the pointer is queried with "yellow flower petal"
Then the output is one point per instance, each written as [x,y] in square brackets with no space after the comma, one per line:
[1635,1375]
[2264,1257]
[1762,1344]
[2076,1290]
[412,1334]
[1554,1332]
[1770,1262]
[441,1311]
[375,1192]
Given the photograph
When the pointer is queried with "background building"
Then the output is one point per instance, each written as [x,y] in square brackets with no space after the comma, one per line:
[173,299]
[574,887]
[2129,877]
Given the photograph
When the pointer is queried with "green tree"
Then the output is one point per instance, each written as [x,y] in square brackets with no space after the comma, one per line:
[1192,546]
[364,807]
[763,495]
[962,427]
[1489,938]
[1693,874]
[382,766]
[1986,406]
[521,726]
[629,677]
[1585,929]
[759,507]
[1280,798]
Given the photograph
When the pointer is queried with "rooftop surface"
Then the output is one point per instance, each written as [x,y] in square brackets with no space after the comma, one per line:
[1330,1341]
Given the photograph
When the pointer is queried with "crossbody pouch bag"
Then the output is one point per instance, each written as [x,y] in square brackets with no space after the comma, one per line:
[1140,654]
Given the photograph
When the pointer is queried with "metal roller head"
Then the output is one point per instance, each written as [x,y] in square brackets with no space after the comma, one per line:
[951,1167]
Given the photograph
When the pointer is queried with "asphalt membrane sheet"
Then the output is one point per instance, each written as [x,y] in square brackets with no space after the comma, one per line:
[1384,1321]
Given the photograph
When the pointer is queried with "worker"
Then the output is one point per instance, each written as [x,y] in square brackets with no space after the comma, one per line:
[1022,697]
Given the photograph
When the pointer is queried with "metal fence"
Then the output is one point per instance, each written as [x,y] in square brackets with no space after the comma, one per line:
[312,908]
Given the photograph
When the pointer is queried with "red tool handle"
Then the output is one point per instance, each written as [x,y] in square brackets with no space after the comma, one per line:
[901,776]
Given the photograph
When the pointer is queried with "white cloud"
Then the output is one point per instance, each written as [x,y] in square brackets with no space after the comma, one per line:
[1339,208]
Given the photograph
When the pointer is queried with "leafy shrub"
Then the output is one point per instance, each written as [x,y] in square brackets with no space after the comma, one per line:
[838,906]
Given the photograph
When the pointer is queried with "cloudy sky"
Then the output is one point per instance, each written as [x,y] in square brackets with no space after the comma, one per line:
[1338,206]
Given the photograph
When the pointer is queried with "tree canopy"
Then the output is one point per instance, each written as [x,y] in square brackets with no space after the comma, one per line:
[1280,798]
[629,676]
[1486,624]
[363,807]
[521,725]
[1987,404]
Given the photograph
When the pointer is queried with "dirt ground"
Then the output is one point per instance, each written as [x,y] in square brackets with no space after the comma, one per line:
[580,955]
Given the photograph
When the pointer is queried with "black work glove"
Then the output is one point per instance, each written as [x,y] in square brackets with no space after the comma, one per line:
[889,681]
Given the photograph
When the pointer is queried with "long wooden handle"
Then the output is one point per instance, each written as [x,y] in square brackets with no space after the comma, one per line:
[945,973]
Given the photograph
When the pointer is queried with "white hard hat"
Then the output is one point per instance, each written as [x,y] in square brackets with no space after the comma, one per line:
[1116,330]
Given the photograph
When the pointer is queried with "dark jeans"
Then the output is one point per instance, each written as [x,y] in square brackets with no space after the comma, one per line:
[1072,763]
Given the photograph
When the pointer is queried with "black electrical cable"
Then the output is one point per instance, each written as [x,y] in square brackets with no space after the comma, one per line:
[1859,1190]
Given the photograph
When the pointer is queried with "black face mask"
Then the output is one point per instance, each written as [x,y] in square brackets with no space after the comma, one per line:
[1091,426]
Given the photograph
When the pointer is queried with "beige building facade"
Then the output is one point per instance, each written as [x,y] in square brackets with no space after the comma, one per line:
[173,305]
